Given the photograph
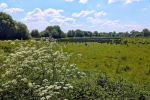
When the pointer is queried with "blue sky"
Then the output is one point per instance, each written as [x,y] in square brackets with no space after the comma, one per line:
[87,15]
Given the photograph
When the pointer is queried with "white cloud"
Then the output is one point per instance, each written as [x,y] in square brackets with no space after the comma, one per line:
[83,1]
[98,5]
[132,26]
[3,5]
[37,14]
[52,12]
[126,1]
[40,25]
[82,13]
[63,22]
[13,10]
[92,26]
[76,25]
[69,0]
[100,14]
[116,24]
[112,23]
[56,20]
[95,21]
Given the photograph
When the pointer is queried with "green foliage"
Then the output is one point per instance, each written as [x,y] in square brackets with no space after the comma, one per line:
[35,33]
[96,33]
[11,29]
[146,32]
[22,31]
[79,33]
[8,26]
[71,33]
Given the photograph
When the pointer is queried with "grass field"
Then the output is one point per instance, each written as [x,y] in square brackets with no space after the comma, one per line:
[131,61]
[43,70]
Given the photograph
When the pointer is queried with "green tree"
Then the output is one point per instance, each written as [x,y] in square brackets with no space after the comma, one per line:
[96,33]
[146,32]
[86,34]
[90,33]
[54,31]
[79,33]
[69,34]
[8,26]
[63,35]
[45,33]
[35,33]
[22,31]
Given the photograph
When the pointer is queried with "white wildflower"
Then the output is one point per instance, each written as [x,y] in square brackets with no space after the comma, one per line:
[67,84]
[47,97]
[14,81]
[56,82]
[43,98]
[71,87]
[45,80]
[30,85]
[58,87]
[61,82]
[65,88]
[51,86]
[25,80]
[18,76]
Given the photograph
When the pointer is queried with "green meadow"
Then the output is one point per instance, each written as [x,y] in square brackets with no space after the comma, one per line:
[47,70]
[130,61]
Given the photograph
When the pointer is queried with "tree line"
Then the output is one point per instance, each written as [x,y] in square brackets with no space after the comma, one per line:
[11,29]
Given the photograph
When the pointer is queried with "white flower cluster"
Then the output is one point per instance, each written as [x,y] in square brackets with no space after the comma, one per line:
[39,60]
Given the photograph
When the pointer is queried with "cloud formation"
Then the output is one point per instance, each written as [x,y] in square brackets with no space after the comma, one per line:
[82,13]
[13,10]
[83,1]
[95,21]
[126,1]
[111,23]
[38,14]
[98,5]
[3,5]
[63,22]
[100,14]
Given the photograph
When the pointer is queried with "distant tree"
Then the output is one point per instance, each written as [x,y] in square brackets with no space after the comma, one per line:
[113,34]
[22,31]
[71,33]
[8,26]
[35,33]
[86,34]
[79,33]
[126,34]
[146,32]
[45,33]
[54,31]
[90,33]
[133,32]
[63,35]
[96,33]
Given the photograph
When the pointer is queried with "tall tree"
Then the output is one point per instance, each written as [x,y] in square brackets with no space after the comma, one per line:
[22,31]
[35,33]
[146,32]
[96,33]
[8,26]
[79,33]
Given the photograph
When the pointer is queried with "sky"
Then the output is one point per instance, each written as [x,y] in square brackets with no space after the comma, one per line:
[86,15]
